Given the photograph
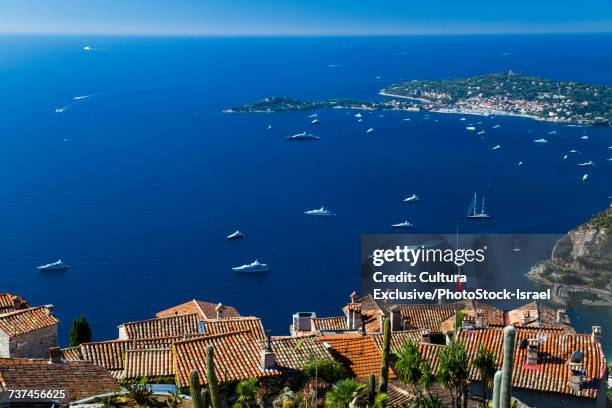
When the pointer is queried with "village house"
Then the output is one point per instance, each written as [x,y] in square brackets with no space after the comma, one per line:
[78,379]
[25,332]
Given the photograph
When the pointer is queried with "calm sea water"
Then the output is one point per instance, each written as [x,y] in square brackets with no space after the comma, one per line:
[137,185]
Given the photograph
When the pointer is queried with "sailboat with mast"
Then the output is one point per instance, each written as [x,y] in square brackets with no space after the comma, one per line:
[473,214]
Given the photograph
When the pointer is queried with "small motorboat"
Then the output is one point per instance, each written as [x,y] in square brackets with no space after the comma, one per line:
[323,212]
[412,199]
[496,147]
[404,224]
[254,266]
[235,235]
[370,130]
[541,140]
[59,265]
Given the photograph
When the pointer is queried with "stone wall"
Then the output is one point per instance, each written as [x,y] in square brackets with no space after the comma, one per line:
[34,344]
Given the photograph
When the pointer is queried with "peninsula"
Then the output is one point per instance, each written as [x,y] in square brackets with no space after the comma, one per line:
[491,94]
[580,266]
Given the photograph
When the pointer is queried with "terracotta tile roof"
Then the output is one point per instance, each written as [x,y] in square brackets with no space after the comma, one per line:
[398,338]
[10,303]
[492,316]
[237,357]
[536,314]
[357,352]
[81,379]
[71,353]
[205,310]
[553,371]
[24,321]
[293,353]
[430,352]
[108,354]
[426,316]
[398,396]
[150,363]
[220,326]
[180,325]
[111,354]
[336,323]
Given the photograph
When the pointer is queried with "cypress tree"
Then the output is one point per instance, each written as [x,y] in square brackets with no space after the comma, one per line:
[80,332]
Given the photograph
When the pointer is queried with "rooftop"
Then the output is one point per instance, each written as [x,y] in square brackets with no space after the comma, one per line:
[552,373]
[205,310]
[80,379]
[24,321]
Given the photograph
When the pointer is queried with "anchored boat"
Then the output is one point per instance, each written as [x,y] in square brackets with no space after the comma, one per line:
[473,213]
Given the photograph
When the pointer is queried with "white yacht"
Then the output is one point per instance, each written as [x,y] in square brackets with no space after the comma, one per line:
[565,157]
[470,128]
[520,163]
[370,130]
[314,115]
[462,119]
[541,140]
[553,132]
[302,136]
[235,235]
[254,266]
[585,137]
[315,121]
[585,177]
[496,147]
[573,151]
[482,132]
[320,212]
[269,127]
[412,199]
[496,126]
[358,115]
[54,266]
[586,164]
[87,48]
[404,224]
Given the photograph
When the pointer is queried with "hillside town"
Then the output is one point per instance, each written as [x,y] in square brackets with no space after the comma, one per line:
[168,346]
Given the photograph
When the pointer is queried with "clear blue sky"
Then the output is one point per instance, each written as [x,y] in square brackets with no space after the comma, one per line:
[303,17]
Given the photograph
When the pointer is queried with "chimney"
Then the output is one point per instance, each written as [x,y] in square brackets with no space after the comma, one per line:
[55,356]
[220,311]
[478,320]
[577,374]
[561,315]
[426,336]
[526,316]
[268,359]
[532,352]
[354,319]
[49,309]
[596,334]
[396,318]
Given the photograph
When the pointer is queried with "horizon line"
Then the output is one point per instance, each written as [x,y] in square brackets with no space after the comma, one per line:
[295,35]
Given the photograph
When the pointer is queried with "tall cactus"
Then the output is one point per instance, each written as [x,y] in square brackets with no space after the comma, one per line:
[211,377]
[384,366]
[496,388]
[371,390]
[505,395]
[195,390]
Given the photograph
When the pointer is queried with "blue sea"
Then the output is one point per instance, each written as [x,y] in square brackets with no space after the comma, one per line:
[137,184]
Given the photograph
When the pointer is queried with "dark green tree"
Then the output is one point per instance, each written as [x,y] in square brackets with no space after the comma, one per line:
[386,354]
[80,332]
[484,362]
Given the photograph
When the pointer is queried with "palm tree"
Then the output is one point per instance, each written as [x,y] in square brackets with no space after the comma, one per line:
[247,391]
[342,393]
[408,365]
[453,370]
[484,362]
